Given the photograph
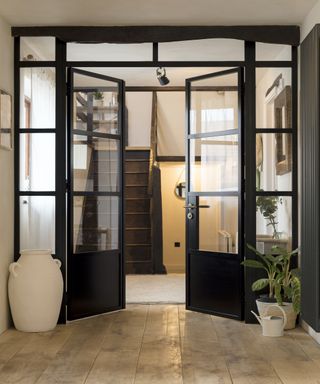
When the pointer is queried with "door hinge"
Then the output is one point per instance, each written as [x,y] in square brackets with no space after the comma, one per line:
[67,185]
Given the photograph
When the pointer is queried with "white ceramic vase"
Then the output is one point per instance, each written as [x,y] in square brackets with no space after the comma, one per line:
[35,291]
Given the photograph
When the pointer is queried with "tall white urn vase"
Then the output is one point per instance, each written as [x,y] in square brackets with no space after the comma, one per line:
[35,291]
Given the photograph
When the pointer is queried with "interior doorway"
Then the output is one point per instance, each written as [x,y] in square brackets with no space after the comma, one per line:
[270,110]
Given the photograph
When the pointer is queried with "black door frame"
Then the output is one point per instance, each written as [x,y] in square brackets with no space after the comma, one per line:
[267,34]
[192,241]
[119,253]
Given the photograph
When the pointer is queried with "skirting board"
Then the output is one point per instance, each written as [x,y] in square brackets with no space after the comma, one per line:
[315,335]
[175,268]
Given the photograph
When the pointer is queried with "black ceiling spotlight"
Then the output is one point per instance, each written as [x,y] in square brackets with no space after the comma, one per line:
[161,75]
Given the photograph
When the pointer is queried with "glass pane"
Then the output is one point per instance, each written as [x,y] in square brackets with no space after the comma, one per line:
[273,98]
[5,120]
[214,104]
[218,224]
[95,164]
[37,222]
[96,111]
[37,162]
[272,52]
[95,105]
[37,98]
[274,162]
[37,48]
[274,222]
[202,50]
[95,223]
[109,52]
[214,164]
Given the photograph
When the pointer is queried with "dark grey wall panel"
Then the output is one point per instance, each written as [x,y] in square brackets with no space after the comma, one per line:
[310,198]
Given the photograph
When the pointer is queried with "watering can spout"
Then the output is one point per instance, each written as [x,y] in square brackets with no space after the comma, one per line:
[257,317]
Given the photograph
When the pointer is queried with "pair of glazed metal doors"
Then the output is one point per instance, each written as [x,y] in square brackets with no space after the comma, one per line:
[96,276]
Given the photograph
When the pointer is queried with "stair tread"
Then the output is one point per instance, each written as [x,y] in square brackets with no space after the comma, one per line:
[138,198]
[138,245]
[136,173]
[136,185]
[138,229]
[137,160]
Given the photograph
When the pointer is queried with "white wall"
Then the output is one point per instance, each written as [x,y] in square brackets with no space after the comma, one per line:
[139,106]
[6,179]
[173,217]
[310,20]
[171,123]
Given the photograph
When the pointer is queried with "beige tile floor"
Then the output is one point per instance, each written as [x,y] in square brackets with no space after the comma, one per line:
[158,344]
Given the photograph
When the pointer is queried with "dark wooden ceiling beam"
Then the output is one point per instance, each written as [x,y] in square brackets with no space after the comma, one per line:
[276,34]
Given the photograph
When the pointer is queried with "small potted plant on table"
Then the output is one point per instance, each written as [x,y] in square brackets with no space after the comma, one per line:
[282,280]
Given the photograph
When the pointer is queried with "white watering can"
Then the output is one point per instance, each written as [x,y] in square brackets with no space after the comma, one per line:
[272,326]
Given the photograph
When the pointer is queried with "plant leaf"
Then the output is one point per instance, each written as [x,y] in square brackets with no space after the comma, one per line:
[296,272]
[262,257]
[296,294]
[260,284]
[277,293]
[253,263]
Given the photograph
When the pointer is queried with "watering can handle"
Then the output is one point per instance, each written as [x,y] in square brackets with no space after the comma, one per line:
[257,317]
[282,310]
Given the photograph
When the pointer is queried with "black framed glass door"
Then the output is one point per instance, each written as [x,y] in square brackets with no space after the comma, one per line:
[214,193]
[95,273]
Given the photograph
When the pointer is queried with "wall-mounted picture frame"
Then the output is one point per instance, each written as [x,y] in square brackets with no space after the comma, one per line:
[283,111]
[5,120]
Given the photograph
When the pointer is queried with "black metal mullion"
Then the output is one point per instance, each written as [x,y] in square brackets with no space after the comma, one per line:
[274,64]
[81,132]
[295,213]
[121,170]
[16,107]
[37,130]
[274,193]
[250,175]
[241,183]
[37,64]
[148,64]
[188,197]
[61,158]
[218,194]
[228,132]
[155,53]
[70,242]
[36,193]
[274,130]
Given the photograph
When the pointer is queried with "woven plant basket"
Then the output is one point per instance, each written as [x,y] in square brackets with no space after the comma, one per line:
[273,311]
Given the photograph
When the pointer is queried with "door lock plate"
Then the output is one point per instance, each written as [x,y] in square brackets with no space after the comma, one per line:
[190,215]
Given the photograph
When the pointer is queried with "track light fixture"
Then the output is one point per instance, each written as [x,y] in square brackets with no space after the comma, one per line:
[161,75]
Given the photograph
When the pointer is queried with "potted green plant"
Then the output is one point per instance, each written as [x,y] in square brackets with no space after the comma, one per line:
[283,282]
[98,98]
[268,206]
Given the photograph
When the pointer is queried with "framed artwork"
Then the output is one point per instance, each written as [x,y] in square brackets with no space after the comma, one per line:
[5,120]
[282,115]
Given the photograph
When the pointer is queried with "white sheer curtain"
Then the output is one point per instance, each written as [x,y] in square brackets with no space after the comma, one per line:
[38,212]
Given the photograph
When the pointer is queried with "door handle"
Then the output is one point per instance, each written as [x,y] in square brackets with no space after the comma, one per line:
[193,206]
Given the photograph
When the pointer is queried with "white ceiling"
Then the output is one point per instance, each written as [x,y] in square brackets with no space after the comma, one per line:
[147,76]
[154,12]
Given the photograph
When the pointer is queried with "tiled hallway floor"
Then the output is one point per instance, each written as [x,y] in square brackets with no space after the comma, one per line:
[158,344]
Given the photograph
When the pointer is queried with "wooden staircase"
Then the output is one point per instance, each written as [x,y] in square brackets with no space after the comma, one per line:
[138,246]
